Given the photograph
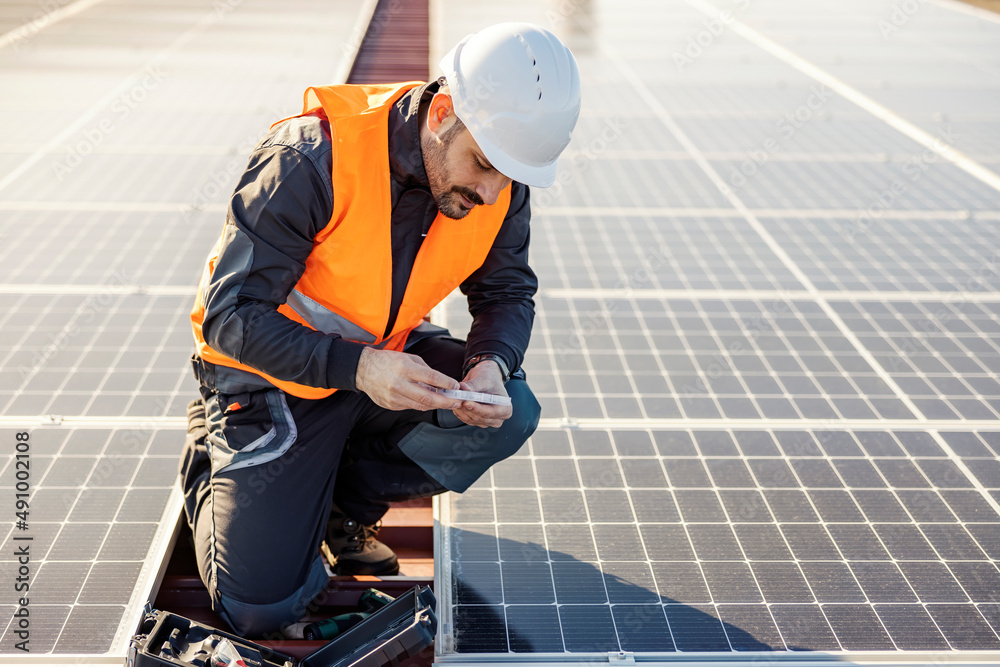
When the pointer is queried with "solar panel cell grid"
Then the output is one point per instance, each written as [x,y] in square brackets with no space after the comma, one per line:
[779,545]
[702,359]
[103,354]
[612,181]
[93,519]
[858,186]
[942,354]
[618,250]
[829,136]
[130,250]
[934,255]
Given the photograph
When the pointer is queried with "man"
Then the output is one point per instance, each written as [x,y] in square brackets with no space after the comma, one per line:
[317,368]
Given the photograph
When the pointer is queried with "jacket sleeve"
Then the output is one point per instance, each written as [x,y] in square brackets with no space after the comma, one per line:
[500,291]
[282,201]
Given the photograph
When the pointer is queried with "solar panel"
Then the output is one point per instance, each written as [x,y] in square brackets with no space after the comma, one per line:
[845,254]
[858,185]
[941,354]
[699,359]
[98,354]
[583,250]
[825,137]
[735,540]
[101,515]
[767,421]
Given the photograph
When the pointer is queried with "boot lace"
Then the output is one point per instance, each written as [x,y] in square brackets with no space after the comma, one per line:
[364,533]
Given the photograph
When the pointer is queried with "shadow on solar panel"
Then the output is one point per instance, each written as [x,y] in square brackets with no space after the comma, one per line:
[510,605]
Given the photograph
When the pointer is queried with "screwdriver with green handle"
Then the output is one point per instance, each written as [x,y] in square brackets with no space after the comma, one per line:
[371,601]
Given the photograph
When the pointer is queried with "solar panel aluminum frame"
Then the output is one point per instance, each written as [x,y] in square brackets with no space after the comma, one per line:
[748,659]
[153,569]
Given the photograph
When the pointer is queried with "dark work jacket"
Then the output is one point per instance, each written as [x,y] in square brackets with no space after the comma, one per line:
[285,198]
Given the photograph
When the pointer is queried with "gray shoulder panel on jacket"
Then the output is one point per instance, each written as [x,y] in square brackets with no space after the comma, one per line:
[310,136]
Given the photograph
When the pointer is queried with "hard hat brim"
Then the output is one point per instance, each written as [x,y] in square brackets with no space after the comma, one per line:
[535,176]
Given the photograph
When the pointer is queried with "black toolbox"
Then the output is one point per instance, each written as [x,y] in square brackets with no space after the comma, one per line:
[395,632]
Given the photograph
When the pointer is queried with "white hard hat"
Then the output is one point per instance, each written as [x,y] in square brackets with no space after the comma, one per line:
[517,88]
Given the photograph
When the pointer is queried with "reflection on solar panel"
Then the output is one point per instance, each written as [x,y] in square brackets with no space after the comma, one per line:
[765,347]
[127,130]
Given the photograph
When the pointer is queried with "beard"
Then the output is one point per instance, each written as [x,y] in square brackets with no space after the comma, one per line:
[450,202]
[448,199]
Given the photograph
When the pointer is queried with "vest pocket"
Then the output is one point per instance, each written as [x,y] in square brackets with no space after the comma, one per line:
[248,429]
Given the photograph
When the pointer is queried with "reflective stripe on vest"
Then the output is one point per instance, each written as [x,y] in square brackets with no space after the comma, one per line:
[346,288]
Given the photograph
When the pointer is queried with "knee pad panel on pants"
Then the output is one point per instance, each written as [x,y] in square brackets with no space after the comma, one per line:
[254,619]
[457,456]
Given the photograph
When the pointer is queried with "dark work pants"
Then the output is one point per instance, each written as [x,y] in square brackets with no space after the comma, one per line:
[260,469]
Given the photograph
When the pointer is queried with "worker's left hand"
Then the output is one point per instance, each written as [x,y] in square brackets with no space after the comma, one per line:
[487,378]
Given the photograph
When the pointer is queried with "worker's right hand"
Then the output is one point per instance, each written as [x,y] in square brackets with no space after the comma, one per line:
[392,380]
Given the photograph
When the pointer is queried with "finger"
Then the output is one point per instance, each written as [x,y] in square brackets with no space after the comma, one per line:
[471,418]
[432,377]
[466,417]
[404,395]
[488,412]
[427,399]
[478,420]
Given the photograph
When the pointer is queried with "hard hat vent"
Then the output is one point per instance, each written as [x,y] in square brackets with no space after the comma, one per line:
[520,131]
[534,62]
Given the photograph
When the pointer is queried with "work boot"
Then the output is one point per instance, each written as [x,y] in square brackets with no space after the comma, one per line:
[352,548]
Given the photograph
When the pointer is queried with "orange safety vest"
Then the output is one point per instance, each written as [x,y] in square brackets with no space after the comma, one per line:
[347,284]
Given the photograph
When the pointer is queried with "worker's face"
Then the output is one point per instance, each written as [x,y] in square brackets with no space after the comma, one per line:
[460,176]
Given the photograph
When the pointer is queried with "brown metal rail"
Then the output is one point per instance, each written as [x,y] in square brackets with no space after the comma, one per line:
[396,46]
[407,528]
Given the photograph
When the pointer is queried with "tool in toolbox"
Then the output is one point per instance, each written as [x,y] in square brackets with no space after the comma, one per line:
[394,630]
[371,601]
